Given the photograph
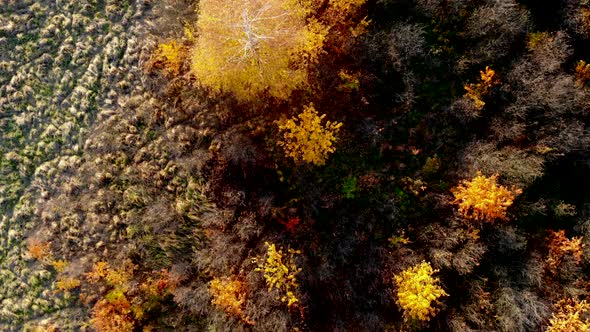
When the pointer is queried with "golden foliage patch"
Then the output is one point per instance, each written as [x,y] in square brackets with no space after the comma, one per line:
[229,294]
[417,289]
[65,284]
[483,198]
[280,272]
[170,57]
[306,139]
[559,246]
[476,91]
[567,317]
[248,47]
[582,72]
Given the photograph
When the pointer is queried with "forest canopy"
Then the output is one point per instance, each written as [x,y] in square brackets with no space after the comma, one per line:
[295,165]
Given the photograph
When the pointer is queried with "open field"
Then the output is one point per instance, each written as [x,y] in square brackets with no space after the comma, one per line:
[64,65]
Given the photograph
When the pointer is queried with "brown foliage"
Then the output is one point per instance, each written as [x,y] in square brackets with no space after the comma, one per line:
[37,249]
[160,285]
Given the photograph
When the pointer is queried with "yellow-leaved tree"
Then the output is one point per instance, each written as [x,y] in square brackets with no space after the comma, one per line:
[280,271]
[568,318]
[251,46]
[229,294]
[306,139]
[483,198]
[417,289]
[169,57]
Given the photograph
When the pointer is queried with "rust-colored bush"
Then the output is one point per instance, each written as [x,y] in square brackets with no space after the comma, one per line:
[38,250]
[559,246]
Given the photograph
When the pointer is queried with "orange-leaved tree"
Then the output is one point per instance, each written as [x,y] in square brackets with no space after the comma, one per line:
[251,46]
[114,312]
[417,289]
[229,294]
[124,306]
[582,72]
[559,245]
[476,91]
[483,198]
[306,139]
[38,250]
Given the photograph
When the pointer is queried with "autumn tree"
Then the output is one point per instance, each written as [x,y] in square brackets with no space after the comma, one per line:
[306,139]
[114,312]
[247,47]
[38,250]
[41,251]
[417,289]
[280,272]
[345,21]
[229,294]
[124,306]
[559,246]
[483,198]
[567,317]
[582,72]
[169,57]
[477,91]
